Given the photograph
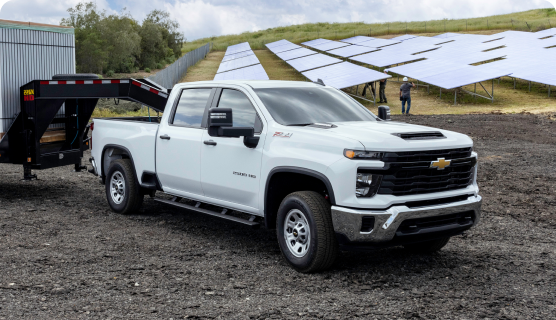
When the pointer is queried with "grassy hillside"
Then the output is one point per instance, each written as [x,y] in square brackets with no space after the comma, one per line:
[533,20]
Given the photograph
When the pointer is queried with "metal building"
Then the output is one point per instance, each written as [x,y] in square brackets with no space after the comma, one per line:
[30,51]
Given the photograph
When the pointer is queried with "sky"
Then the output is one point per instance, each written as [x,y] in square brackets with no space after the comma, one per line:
[205,18]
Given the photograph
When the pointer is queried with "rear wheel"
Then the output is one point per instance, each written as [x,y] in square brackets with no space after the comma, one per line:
[305,232]
[122,188]
[427,246]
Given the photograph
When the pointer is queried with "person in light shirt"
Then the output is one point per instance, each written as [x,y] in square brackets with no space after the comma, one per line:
[405,95]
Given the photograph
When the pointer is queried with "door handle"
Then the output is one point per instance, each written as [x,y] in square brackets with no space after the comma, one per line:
[165,137]
[210,142]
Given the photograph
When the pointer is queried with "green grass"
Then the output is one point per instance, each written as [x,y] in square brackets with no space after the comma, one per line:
[533,20]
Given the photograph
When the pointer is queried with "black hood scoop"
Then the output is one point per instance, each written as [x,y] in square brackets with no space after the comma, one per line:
[420,135]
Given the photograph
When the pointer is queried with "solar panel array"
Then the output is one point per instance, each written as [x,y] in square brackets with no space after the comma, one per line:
[332,71]
[240,63]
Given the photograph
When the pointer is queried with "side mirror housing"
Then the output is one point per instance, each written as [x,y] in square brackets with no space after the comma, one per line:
[221,124]
[384,113]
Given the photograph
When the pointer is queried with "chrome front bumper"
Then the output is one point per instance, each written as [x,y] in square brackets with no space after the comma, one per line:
[347,222]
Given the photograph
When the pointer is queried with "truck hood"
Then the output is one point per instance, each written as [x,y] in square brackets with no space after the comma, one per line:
[379,136]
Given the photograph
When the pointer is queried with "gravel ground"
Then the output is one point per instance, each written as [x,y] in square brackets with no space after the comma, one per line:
[65,255]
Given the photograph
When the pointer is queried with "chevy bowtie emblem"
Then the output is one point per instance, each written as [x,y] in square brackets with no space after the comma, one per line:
[441,163]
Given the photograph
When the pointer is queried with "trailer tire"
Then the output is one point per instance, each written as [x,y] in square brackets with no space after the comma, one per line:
[427,246]
[122,188]
[308,242]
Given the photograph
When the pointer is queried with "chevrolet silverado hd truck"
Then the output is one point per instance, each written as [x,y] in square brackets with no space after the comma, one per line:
[305,158]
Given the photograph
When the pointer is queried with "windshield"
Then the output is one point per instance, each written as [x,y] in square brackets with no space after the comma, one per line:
[308,105]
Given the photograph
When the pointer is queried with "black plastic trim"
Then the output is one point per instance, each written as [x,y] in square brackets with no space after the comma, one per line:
[298,170]
[149,180]
[115,146]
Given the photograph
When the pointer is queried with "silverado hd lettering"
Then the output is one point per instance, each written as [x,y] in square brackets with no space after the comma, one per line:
[324,171]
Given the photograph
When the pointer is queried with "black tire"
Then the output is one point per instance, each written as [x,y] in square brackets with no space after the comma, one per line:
[427,246]
[75,76]
[131,196]
[321,250]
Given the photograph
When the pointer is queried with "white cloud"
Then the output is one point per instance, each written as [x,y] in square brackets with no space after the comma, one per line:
[204,18]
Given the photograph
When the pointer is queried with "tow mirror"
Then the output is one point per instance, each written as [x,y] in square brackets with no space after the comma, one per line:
[221,124]
[384,113]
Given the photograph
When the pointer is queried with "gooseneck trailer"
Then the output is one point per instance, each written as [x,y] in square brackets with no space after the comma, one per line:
[41,137]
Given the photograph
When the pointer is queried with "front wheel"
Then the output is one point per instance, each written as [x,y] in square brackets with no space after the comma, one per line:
[305,232]
[122,188]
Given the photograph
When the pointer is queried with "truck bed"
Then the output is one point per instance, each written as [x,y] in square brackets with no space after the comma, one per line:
[136,134]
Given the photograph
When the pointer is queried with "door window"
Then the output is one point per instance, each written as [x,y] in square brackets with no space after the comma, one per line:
[244,114]
[191,107]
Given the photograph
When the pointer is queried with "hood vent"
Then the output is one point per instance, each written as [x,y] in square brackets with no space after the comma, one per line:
[420,135]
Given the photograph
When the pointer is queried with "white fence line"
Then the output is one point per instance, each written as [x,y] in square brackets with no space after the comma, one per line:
[177,70]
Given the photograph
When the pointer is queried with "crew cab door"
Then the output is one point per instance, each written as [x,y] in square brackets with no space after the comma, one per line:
[230,171]
[178,144]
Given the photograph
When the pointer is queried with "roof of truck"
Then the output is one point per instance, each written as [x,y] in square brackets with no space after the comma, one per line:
[260,84]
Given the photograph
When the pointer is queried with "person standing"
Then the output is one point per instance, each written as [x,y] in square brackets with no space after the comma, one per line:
[382,87]
[405,94]
[370,85]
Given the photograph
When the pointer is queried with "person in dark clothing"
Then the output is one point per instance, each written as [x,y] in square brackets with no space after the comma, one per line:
[405,94]
[369,85]
[382,87]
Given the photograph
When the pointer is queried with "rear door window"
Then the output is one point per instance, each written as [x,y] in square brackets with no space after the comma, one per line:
[191,107]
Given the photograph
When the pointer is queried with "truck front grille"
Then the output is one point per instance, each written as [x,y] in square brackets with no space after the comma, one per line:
[409,173]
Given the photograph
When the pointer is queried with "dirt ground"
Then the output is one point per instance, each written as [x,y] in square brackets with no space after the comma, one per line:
[65,255]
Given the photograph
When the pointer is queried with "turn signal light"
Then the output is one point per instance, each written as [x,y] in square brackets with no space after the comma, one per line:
[28,159]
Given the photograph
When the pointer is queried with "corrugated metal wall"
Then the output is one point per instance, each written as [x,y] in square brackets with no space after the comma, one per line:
[27,55]
[172,75]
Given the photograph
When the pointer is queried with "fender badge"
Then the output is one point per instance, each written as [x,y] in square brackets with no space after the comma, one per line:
[282,134]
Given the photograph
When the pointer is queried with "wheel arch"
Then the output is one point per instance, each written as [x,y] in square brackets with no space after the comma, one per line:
[305,180]
[121,151]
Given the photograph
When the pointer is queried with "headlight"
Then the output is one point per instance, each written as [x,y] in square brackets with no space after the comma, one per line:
[367,184]
[363,155]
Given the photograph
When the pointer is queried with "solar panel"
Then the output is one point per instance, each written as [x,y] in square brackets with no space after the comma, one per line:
[255,72]
[404,37]
[237,55]
[238,63]
[315,42]
[465,75]
[351,51]
[277,43]
[330,45]
[344,75]
[378,43]
[357,39]
[385,58]
[296,53]
[286,47]
[237,48]
[312,62]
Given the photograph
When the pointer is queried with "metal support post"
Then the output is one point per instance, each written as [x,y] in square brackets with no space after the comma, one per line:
[475,91]
[456,97]
[549,91]
[514,83]
[492,91]
[440,93]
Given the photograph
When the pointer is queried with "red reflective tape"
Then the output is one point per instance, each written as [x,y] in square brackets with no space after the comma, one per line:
[97,81]
[115,81]
[45,82]
[61,82]
[153,91]
[79,82]
[136,83]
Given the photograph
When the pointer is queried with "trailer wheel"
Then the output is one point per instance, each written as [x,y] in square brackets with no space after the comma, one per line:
[305,232]
[122,188]
[427,246]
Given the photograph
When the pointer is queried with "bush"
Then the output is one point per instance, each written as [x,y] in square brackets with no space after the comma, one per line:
[100,76]
[148,70]
[110,73]
[159,66]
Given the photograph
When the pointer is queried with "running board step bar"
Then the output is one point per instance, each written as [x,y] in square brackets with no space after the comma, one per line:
[222,215]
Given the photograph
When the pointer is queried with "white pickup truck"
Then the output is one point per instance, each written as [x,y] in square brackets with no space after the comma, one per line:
[305,158]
